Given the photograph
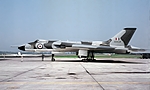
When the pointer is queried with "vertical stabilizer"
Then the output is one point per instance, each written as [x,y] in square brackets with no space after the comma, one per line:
[122,38]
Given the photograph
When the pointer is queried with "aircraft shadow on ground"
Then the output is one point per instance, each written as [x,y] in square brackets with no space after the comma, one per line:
[96,61]
[101,61]
[1,59]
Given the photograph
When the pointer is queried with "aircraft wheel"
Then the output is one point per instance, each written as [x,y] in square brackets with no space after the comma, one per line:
[53,59]
[91,60]
[84,60]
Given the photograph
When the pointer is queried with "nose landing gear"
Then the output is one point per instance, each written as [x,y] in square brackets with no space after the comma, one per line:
[53,59]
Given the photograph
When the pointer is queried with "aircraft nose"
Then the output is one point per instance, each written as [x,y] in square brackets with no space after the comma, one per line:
[22,48]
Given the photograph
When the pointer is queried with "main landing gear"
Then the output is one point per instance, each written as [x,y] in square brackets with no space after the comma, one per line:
[89,57]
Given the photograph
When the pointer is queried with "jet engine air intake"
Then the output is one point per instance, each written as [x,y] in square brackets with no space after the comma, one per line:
[22,48]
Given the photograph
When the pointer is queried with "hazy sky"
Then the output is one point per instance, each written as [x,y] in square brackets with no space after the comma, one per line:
[22,21]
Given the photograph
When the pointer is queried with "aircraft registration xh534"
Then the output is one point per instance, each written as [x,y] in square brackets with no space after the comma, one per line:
[84,49]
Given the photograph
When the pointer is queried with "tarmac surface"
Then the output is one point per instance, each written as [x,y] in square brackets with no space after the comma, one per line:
[73,74]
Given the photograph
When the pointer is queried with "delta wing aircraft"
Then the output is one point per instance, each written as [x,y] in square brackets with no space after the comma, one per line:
[84,49]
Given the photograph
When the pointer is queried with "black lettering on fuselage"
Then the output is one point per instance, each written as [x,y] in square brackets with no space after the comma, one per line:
[117,41]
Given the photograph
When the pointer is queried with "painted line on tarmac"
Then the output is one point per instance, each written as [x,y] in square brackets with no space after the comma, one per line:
[145,83]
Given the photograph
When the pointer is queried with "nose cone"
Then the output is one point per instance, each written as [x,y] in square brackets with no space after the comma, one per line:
[21,48]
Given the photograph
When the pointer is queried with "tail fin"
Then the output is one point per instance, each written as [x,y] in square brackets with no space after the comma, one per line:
[122,38]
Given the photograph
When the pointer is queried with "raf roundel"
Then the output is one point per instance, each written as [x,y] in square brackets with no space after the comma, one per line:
[39,46]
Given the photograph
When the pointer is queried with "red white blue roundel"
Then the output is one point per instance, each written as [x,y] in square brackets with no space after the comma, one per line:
[39,46]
